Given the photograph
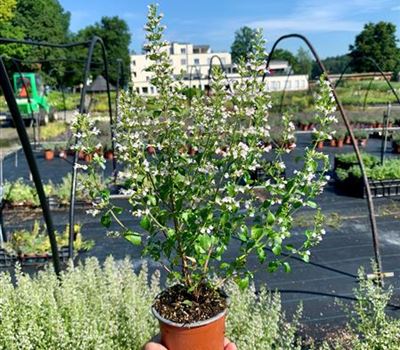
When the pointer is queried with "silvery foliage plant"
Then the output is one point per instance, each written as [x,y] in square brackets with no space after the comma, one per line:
[188,168]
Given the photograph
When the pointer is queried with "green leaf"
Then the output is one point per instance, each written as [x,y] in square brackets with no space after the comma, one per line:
[133,237]
[151,200]
[145,223]
[106,220]
[270,218]
[277,249]
[273,266]
[311,204]
[243,283]
[118,210]
[256,232]
[287,267]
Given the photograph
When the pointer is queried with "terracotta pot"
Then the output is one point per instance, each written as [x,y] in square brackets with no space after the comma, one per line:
[48,154]
[204,335]
[88,157]
[333,143]
[81,155]
[320,145]
[304,127]
[151,150]
[363,142]
[347,140]
[339,143]
[109,155]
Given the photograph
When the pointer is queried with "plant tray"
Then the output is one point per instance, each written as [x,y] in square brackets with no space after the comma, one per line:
[7,260]
[379,188]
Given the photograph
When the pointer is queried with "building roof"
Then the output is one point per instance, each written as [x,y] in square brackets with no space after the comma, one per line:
[99,85]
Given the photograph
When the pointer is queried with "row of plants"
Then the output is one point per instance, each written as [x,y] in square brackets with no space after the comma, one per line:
[99,103]
[106,307]
[35,242]
[347,167]
[341,137]
[51,150]
[384,179]
[20,193]
[306,121]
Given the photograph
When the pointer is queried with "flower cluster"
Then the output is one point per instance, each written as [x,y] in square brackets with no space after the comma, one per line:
[191,168]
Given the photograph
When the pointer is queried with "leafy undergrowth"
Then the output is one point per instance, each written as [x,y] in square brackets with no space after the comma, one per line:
[108,307]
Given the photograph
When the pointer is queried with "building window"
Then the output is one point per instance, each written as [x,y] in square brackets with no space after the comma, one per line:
[183,50]
[134,74]
[183,61]
[147,78]
[196,61]
[138,90]
[133,63]
[145,90]
[152,89]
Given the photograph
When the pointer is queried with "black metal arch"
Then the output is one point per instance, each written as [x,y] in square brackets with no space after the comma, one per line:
[221,64]
[82,109]
[19,124]
[371,208]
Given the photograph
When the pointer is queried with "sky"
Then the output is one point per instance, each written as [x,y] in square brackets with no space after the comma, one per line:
[330,25]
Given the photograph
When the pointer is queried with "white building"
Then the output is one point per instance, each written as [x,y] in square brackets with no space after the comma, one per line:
[193,62]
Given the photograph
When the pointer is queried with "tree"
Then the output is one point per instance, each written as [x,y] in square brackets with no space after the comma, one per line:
[9,30]
[377,41]
[42,20]
[334,65]
[7,8]
[304,62]
[116,36]
[282,54]
[242,44]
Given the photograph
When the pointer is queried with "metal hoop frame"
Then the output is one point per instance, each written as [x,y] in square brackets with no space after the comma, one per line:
[19,124]
[371,208]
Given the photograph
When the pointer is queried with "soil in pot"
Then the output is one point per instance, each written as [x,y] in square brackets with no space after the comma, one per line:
[191,322]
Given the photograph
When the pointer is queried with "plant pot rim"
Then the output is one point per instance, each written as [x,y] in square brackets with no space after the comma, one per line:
[189,325]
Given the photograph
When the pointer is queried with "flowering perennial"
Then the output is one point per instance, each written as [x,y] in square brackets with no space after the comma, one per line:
[190,165]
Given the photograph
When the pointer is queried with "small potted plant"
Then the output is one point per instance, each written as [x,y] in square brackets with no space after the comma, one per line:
[108,152]
[396,142]
[48,151]
[339,137]
[361,136]
[193,205]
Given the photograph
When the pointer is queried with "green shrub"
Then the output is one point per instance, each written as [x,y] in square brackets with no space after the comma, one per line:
[20,193]
[369,327]
[36,241]
[369,160]
[109,308]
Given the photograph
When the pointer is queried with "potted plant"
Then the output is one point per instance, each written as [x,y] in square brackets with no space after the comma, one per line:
[193,205]
[396,142]
[361,136]
[48,151]
[108,152]
[339,137]
[319,144]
